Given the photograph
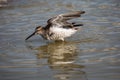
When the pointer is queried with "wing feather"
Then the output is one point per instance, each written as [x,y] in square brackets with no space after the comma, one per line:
[66,16]
[63,18]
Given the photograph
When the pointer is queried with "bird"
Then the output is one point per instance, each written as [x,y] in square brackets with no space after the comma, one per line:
[59,27]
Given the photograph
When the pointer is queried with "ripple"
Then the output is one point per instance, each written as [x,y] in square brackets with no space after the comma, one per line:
[92,53]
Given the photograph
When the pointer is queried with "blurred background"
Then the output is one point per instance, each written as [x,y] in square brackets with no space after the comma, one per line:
[91,54]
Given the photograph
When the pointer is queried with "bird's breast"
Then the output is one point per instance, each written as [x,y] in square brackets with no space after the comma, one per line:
[58,32]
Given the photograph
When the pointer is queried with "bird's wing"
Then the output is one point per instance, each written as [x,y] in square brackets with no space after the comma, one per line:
[62,18]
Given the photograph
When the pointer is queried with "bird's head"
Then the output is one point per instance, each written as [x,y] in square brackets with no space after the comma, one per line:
[38,30]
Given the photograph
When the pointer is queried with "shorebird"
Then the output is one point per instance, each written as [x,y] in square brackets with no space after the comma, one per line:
[58,27]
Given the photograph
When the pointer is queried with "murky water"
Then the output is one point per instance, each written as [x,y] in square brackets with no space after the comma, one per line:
[91,54]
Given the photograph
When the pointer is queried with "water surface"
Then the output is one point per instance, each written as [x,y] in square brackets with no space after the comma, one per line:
[91,54]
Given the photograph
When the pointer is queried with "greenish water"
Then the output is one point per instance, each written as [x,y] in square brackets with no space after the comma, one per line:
[91,54]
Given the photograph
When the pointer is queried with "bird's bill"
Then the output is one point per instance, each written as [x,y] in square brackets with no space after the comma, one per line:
[30,35]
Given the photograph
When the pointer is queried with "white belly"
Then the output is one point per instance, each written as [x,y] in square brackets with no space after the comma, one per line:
[61,33]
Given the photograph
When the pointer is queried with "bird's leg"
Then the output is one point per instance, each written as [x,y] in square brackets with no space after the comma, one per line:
[62,39]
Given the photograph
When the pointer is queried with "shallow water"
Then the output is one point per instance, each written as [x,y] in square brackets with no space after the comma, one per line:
[91,54]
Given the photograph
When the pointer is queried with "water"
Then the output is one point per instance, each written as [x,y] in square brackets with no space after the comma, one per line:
[91,54]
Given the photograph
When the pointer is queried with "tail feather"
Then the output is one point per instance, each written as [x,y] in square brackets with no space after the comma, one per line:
[75,25]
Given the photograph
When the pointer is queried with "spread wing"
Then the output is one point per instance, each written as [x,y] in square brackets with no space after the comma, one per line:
[63,18]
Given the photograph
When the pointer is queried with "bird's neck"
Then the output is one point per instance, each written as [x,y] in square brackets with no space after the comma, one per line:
[42,31]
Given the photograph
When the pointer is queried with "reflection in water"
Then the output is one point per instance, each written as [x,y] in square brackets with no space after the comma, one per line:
[98,50]
[61,59]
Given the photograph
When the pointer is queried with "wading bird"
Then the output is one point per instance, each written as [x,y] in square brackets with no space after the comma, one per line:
[58,27]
